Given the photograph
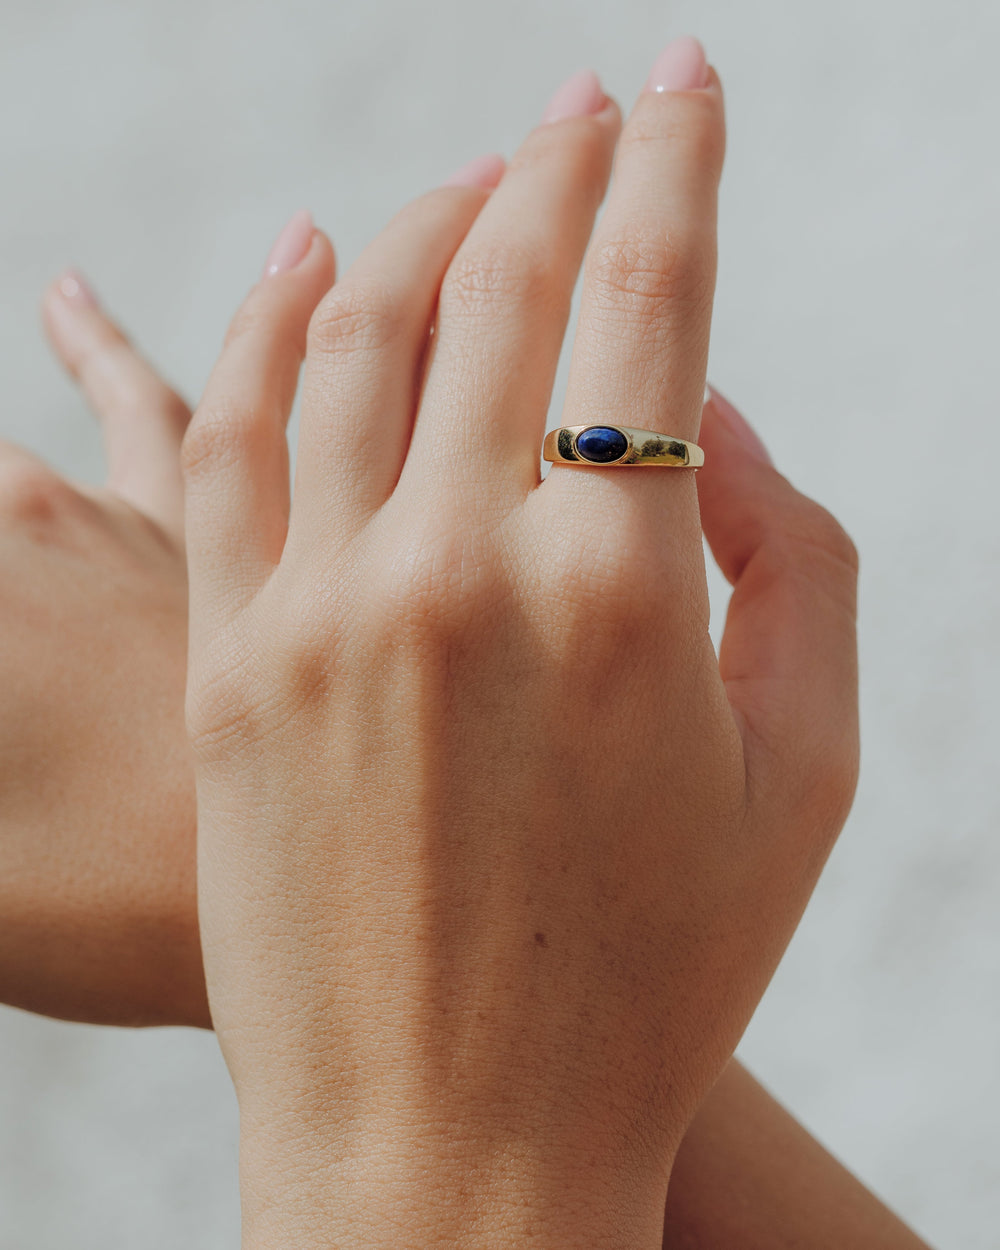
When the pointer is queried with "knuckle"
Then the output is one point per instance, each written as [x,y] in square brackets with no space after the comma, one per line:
[32,495]
[809,549]
[134,390]
[173,407]
[807,777]
[480,276]
[642,272]
[224,435]
[358,316]
[256,677]
[828,787]
[819,547]
[840,783]
[577,147]
[250,321]
[212,441]
[105,360]
[223,706]
[430,211]
[306,649]
[691,126]
[129,398]
[440,594]
[826,534]
[596,610]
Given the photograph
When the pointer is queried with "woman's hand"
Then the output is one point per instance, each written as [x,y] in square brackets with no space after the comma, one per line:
[496,857]
[97,813]
[84,839]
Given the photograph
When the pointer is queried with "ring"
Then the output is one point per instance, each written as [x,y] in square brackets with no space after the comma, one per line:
[613,445]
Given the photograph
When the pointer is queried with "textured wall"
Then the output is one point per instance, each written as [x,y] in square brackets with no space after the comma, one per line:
[160,146]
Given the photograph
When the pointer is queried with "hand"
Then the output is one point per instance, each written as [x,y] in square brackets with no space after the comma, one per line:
[496,857]
[97,815]
[741,1141]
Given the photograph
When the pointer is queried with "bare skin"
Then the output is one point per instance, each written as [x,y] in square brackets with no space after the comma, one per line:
[749,1176]
[480,811]
[98,877]
[91,833]
[97,816]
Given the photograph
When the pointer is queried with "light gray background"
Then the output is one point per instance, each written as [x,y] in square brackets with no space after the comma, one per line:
[161,145]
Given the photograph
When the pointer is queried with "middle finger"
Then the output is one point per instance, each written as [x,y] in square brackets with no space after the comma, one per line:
[505,301]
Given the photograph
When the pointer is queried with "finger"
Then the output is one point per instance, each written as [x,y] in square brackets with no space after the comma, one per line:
[25,482]
[367,343]
[789,651]
[506,299]
[640,353]
[235,453]
[142,418]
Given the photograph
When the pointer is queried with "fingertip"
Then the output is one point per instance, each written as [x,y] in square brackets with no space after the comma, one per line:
[68,308]
[681,66]
[302,253]
[484,172]
[323,254]
[74,288]
[714,81]
[292,245]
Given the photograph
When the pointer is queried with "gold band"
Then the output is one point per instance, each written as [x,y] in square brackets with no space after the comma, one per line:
[609,446]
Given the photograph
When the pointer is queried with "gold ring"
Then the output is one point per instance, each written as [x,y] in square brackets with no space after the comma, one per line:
[608,446]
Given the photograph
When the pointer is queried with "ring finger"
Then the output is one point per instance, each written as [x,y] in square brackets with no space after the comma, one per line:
[505,302]
[641,348]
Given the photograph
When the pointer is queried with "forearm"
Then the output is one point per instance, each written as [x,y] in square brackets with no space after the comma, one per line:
[748,1175]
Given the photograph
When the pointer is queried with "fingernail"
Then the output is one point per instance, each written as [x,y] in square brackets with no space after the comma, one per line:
[484,171]
[72,286]
[681,66]
[738,426]
[291,246]
[579,96]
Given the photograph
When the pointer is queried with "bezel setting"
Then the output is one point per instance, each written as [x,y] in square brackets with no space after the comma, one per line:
[602,425]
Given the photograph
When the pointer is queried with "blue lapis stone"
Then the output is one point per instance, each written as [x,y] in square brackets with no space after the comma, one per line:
[601,444]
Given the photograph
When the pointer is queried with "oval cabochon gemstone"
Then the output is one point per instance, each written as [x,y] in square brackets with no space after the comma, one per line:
[601,444]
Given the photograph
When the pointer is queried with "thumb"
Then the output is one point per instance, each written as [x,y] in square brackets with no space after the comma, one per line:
[788,656]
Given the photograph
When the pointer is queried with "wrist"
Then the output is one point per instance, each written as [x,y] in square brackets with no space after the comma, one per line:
[450,1185]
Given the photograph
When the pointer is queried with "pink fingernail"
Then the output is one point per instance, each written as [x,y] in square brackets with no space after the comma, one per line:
[681,66]
[72,286]
[739,426]
[579,96]
[291,246]
[484,171]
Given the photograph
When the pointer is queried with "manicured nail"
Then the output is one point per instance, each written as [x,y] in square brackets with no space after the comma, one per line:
[484,171]
[72,286]
[739,426]
[291,246]
[681,66]
[579,96]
